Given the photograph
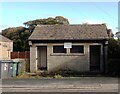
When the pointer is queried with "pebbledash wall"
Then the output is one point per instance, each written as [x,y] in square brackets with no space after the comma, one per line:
[76,62]
[65,61]
[46,36]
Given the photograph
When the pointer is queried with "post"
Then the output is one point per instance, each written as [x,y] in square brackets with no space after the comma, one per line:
[33,59]
[25,55]
[18,56]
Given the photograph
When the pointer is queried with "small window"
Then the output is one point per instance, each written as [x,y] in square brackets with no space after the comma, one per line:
[77,49]
[59,49]
[4,45]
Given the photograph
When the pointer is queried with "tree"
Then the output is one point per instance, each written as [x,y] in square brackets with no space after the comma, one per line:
[46,21]
[113,48]
[113,57]
[20,34]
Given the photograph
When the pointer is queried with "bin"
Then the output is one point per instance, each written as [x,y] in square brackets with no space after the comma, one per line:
[5,70]
[18,68]
[10,70]
[14,69]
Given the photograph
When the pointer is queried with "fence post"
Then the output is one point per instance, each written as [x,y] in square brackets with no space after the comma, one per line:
[18,56]
[25,55]
[10,55]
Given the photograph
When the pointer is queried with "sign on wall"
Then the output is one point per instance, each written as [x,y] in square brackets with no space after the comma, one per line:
[68,45]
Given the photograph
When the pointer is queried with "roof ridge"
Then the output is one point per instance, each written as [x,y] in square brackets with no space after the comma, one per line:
[73,25]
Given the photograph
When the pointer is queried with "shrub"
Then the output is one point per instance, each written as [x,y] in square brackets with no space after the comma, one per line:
[113,67]
[57,76]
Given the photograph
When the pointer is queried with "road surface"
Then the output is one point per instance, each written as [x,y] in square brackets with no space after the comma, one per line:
[77,84]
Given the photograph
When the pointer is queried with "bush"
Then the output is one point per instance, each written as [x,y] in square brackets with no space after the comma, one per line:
[113,67]
[114,48]
[113,57]
[57,76]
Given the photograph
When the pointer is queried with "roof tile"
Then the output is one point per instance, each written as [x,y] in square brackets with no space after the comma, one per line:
[61,32]
[4,39]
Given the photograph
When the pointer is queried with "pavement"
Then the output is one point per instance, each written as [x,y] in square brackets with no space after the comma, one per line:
[75,84]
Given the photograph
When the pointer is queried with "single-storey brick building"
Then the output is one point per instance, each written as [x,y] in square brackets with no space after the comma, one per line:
[80,48]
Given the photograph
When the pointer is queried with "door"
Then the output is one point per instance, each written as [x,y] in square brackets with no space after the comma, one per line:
[42,58]
[95,57]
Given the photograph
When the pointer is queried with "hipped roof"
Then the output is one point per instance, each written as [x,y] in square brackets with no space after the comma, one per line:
[70,32]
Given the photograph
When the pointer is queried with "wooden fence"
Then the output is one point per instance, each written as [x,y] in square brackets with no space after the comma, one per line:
[25,55]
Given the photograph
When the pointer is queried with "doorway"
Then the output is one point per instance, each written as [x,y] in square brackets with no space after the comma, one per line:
[95,51]
[42,58]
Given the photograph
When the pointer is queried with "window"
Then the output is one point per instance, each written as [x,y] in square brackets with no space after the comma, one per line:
[4,45]
[59,49]
[77,49]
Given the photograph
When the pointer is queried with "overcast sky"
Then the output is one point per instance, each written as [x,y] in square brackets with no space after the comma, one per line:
[15,14]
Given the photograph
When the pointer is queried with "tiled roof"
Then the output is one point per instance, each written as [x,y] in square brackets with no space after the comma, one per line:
[4,39]
[70,32]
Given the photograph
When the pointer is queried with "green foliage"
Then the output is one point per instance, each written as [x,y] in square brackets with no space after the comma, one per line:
[113,66]
[114,48]
[19,35]
[57,76]
[46,21]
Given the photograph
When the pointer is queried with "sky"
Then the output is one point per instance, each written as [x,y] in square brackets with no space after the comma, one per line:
[13,14]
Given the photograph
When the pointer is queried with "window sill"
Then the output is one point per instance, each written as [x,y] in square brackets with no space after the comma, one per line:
[64,54]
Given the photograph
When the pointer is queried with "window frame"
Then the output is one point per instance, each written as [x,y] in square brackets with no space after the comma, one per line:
[78,50]
[68,50]
[63,52]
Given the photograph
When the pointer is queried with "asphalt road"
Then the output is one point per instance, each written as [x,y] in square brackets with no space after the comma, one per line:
[79,84]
